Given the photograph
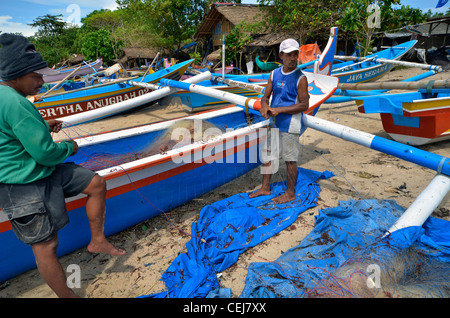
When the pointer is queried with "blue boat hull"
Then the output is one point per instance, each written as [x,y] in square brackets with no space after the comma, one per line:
[359,72]
[196,102]
[158,184]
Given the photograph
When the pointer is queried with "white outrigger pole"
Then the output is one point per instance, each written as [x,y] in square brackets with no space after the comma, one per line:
[157,93]
[425,203]
[433,194]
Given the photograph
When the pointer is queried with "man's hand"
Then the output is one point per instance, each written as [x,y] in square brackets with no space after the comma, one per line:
[75,148]
[263,111]
[55,125]
[272,112]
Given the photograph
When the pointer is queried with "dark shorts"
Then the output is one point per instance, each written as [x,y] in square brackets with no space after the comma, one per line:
[37,210]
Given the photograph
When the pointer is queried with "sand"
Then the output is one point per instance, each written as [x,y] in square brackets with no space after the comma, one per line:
[361,173]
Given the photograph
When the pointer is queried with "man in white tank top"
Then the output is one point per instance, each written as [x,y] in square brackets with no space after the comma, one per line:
[288,88]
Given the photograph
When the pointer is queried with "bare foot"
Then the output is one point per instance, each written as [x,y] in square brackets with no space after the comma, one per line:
[105,247]
[259,193]
[286,197]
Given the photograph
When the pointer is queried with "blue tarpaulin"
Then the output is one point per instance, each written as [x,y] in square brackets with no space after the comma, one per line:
[227,228]
[355,231]
[415,260]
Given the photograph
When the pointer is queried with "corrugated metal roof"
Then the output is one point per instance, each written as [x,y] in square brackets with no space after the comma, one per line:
[433,27]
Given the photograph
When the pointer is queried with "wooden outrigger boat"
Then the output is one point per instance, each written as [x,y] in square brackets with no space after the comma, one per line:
[252,85]
[415,118]
[97,96]
[266,66]
[82,70]
[371,67]
[148,182]
[142,185]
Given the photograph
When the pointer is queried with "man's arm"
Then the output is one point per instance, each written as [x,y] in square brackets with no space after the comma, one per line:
[301,106]
[55,125]
[265,100]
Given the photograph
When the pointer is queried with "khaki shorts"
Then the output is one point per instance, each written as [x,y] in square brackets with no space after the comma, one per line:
[287,146]
[37,210]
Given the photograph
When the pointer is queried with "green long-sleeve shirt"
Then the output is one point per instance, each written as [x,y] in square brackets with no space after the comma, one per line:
[27,150]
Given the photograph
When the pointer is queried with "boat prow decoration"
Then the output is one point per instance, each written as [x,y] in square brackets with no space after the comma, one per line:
[325,63]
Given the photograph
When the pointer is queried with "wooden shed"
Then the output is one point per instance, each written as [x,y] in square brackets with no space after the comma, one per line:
[433,46]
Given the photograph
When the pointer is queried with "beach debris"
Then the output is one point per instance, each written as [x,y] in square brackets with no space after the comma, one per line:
[366,175]
[398,190]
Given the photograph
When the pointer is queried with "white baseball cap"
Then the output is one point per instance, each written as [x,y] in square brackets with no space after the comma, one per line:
[289,45]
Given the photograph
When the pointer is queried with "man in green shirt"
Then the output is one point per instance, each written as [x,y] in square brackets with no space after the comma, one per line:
[33,178]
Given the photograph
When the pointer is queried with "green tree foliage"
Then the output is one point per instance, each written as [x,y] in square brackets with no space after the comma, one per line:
[166,24]
[97,43]
[311,20]
[306,19]
[49,26]
[55,40]
[361,18]
[238,39]
[100,35]
[169,24]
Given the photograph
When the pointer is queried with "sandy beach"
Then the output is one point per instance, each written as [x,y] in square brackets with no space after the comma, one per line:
[360,173]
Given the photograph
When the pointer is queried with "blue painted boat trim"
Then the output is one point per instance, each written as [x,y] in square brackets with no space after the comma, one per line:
[423,158]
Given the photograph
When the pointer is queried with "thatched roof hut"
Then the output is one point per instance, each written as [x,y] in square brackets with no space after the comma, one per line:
[224,17]
[433,33]
[214,56]
[137,56]
[76,59]
[271,39]
[221,19]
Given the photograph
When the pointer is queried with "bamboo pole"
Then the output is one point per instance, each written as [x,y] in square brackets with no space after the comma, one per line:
[59,83]
[388,61]
[223,56]
[219,79]
[146,71]
[425,203]
[396,85]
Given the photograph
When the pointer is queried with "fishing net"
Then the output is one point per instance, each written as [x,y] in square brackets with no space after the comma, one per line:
[348,255]
[180,133]
[229,227]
